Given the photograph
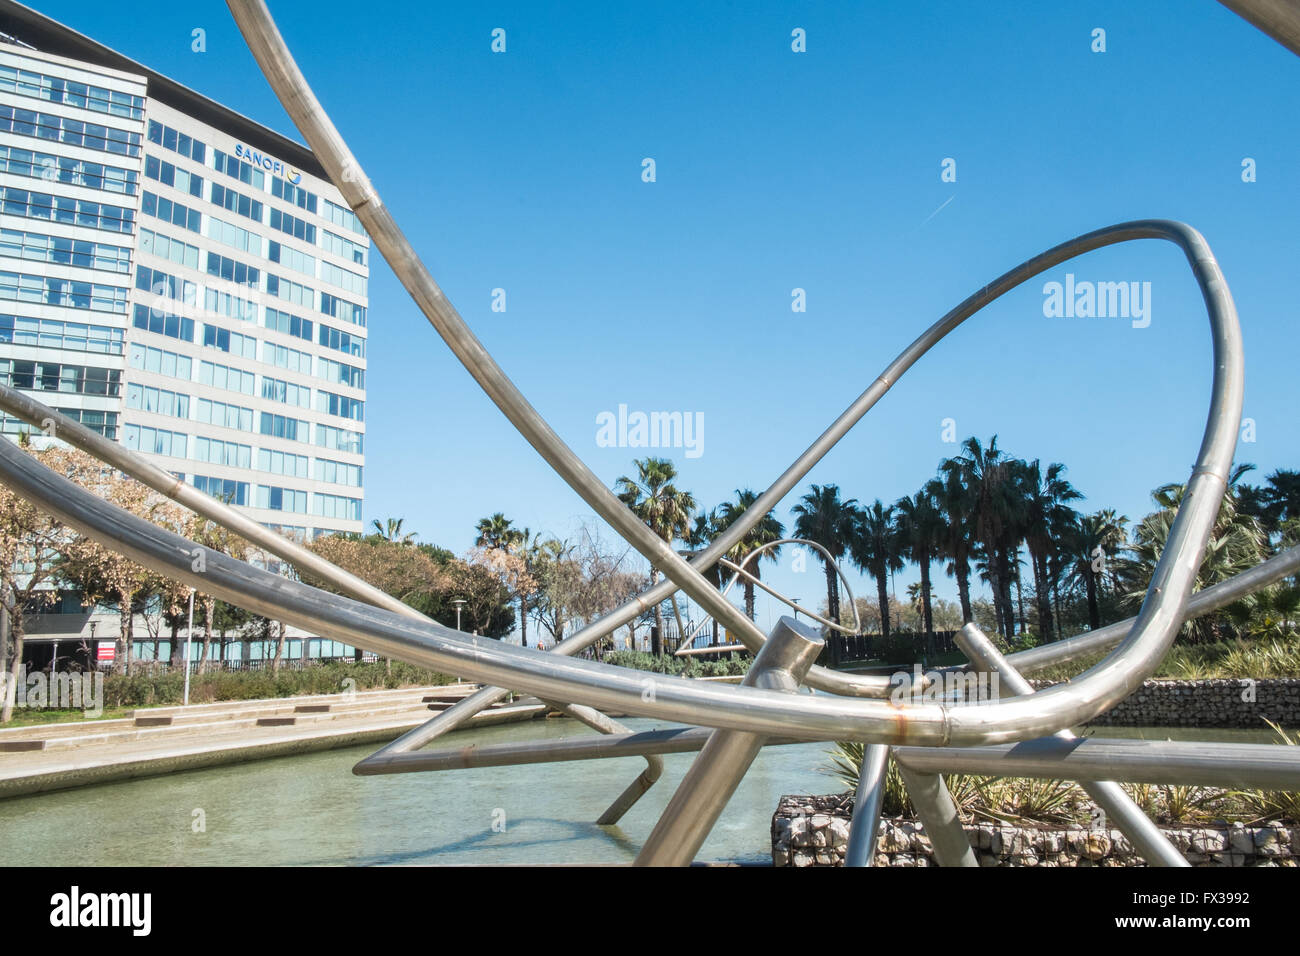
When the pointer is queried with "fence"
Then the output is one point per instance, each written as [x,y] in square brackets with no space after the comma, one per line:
[845,648]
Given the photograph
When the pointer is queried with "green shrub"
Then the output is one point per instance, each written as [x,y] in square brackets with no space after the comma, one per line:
[143,689]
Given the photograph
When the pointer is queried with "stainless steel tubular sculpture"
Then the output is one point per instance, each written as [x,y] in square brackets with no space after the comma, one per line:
[1154,630]
[762,711]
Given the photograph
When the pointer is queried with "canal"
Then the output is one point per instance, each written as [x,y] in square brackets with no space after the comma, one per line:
[310,810]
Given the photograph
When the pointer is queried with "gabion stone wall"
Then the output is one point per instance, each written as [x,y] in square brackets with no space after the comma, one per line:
[814,830]
[1205,703]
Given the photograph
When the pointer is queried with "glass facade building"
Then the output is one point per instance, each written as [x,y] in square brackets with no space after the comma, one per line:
[183,280]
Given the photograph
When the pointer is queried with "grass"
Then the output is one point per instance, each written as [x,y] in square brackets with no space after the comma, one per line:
[33,717]
[1260,658]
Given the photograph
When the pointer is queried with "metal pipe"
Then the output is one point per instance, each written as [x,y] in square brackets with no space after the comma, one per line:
[1184,763]
[707,787]
[634,791]
[631,744]
[62,428]
[1147,838]
[1202,602]
[1280,19]
[938,815]
[740,570]
[867,802]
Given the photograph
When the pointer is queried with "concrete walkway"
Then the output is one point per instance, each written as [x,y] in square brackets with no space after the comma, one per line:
[161,740]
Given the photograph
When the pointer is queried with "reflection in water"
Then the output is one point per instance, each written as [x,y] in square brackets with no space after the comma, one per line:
[311,810]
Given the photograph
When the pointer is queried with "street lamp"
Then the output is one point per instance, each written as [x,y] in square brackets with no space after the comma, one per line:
[460,603]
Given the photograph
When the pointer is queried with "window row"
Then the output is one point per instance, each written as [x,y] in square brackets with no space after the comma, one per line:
[57,334]
[177,142]
[170,175]
[63,251]
[56,89]
[175,213]
[71,132]
[165,247]
[70,293]
[68,170]
[66,209]
[58,377]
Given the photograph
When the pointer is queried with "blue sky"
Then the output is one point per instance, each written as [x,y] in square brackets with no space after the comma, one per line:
[777,170]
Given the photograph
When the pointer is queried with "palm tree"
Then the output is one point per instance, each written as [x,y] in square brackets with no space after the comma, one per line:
[920,528]
[496,532]
[1089,541]
[1044,496]
[822,517]
[391,530]
[1237,543]
[766,531]
[955,502]
[876,550]
[654,499]
[985,471]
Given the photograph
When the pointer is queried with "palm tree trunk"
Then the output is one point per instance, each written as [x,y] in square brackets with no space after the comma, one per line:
[963,589]
[1094,613]
[749,599]
[657,638]
[883,595]
[523,621]
[832,593]
[925,594]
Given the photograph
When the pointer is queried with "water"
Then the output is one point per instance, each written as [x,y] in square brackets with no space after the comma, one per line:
[311,810]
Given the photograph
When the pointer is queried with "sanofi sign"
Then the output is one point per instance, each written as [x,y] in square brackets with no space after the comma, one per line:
[269,163]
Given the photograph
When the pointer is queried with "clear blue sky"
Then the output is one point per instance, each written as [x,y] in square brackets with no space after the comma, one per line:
[778,170]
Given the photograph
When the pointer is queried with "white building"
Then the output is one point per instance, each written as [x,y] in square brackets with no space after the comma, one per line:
[179,278]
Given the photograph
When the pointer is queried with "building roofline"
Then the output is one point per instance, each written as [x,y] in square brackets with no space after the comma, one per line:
[49,36]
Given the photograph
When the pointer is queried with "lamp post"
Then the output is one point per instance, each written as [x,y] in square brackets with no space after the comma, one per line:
[460,603]
[189,634]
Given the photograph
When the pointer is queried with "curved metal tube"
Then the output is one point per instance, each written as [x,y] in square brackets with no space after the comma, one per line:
[268,48]
[124,460]
[740,570]
[752,709]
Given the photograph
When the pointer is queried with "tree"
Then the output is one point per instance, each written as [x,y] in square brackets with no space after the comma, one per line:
[1237,543]
[875,549]
[391,530]
[653,498]
[955,503]
[921,533]
[1044,496]
[495,532]
[985,471]
[1089,541]
[765,532]
[822,517]
[30,545]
